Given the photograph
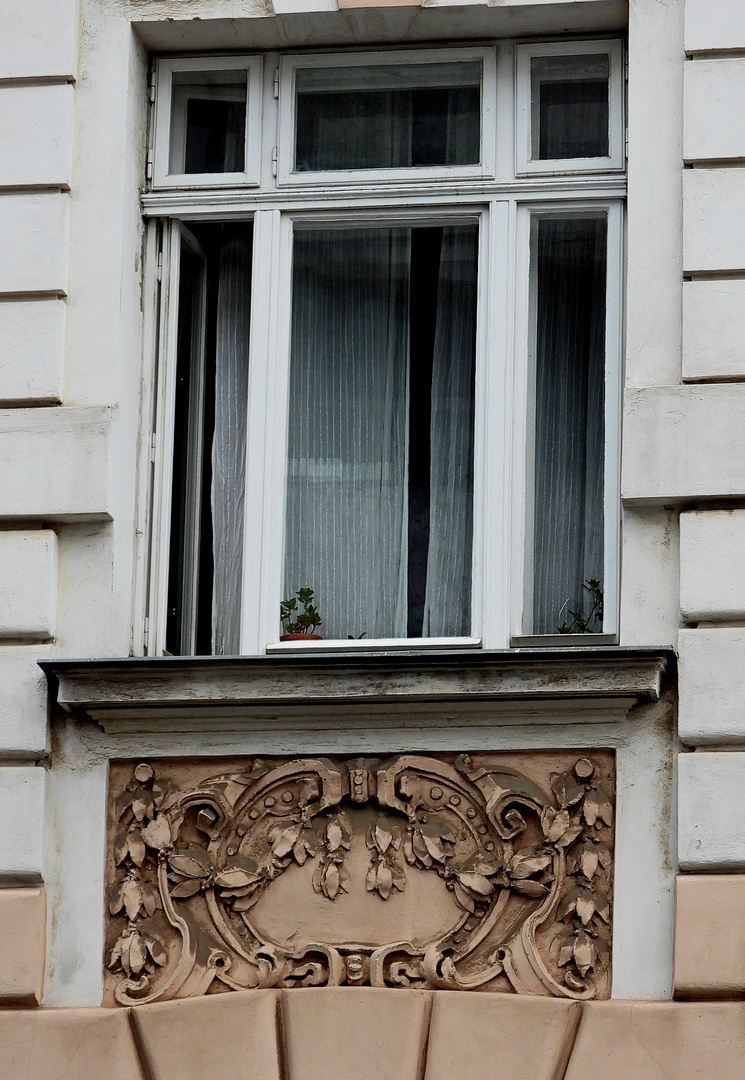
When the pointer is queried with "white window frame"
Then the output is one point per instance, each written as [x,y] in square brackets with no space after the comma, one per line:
[176,235]
[288,67]
[160,152]
[525,163]
[503,206]
[524,367]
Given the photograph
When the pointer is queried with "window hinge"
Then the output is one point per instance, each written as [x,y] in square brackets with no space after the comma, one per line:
[146,632]
[274,160]
[160,266]
[152,86]
[276,82]
[153,446]
[150,164]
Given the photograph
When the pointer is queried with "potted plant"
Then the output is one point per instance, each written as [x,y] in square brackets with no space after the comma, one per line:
[299,617]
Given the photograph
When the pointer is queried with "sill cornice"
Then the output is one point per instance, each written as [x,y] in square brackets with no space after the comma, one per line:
[235,693]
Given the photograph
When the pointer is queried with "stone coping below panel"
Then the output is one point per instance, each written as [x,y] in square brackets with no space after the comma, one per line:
[233,693]
[369,1034]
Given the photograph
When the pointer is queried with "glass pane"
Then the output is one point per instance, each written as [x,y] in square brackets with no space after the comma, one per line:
[569,272]
[207,505]
[208,122]
[569,113]
[380,458]
[388,117]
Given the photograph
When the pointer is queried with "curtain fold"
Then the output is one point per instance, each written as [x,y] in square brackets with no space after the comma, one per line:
[568,524]
[229,441]
[447,605]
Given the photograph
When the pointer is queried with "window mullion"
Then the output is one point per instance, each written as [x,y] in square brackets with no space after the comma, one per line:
[267,426]
[493,424]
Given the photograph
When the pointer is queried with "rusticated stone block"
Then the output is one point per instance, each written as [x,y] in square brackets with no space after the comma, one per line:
[500,1038]
[359,1034]
[710,935]
[628,1040]
[67,1044]
[230,1036]
[22,945]
[457,871]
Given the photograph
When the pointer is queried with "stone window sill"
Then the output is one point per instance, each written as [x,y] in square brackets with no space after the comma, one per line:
[172,694]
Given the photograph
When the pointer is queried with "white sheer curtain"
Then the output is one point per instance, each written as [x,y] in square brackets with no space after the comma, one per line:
[346,523]
[570,270]
[447,604]
[229,441]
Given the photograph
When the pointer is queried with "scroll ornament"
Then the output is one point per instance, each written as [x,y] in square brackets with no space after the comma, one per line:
[528,872]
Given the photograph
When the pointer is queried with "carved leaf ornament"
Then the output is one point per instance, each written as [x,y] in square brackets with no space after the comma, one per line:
[524,875]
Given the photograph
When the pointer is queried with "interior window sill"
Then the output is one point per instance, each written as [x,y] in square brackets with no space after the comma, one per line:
[561,641]
[374,645]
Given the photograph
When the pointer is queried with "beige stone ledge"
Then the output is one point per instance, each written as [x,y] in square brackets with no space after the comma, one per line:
[22,945]
[67,1044]
[230,1036]
[228,693]
[475,1036]
[371,1034]
[630,1040]
[710,936]
[355,1033]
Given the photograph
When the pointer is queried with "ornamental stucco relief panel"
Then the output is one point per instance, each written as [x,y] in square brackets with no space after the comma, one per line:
[485,872]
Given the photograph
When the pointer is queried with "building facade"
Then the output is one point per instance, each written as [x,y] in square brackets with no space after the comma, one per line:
[434,310]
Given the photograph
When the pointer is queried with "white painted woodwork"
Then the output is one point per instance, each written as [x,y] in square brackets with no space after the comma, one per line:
[713,219]
[33,242]
[714,24]
[28,584]
[54,463]
[714,329]
[711,708]
[22,789]
[711,811]
[38,38]
[714,109]
[36,134]
[32,350]
[712,569]
[616,159]
[650,606]
[683,441]
[23,702]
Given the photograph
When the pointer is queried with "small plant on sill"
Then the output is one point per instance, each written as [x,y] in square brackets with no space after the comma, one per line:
[582,624]
[299,617]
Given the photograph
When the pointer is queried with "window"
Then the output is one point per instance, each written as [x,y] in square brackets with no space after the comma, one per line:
[389,353]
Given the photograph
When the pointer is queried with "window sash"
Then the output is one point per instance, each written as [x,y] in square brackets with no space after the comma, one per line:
[525,163]
[288,67]
[164,120]
[524,383]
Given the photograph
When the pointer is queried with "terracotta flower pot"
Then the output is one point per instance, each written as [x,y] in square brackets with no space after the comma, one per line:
[301,637]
